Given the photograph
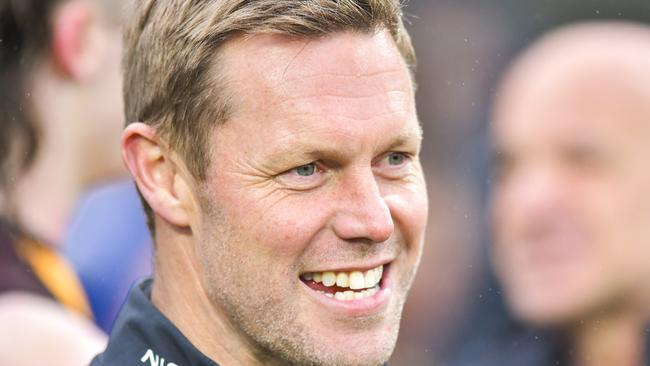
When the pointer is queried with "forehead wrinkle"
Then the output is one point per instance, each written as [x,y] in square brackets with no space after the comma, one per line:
[339,147]
[346,53]
[295,67]
[384,93]
[264,98]
[339,96]
[307,77]
[343,84]
[353,108]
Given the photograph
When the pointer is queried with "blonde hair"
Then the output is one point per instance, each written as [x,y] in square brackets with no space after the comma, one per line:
[172,46]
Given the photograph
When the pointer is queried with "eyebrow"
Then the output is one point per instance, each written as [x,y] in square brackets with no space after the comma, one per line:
[408,137]
[319,149]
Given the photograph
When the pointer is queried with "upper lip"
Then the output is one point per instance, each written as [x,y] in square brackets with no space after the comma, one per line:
[350,268]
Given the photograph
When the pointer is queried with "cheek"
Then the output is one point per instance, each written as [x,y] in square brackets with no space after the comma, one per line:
[617,216]
[613,212]
[621,221]
[287,230]
[280,227]
[409,208]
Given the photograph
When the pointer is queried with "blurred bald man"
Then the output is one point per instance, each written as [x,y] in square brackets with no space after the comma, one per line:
[571,194]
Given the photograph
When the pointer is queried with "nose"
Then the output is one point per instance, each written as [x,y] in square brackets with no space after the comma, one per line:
[535,192]
[363,214]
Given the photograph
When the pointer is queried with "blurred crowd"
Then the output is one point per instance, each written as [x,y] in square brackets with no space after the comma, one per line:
[536,118]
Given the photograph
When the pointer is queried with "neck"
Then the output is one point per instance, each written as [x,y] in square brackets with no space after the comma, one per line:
[610,339]
[44,199]
[178,293]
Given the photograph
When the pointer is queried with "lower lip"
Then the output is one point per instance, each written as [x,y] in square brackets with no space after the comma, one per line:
[361,307]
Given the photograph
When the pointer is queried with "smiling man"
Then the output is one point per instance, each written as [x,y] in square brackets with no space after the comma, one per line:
[277,156]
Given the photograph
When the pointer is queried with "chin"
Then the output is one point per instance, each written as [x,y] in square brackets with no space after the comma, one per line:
[373,356]
[355,345]
[548,310]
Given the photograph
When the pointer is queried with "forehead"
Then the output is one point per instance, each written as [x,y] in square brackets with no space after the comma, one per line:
[350,51]
[267,66]
[348,79]
[566,96]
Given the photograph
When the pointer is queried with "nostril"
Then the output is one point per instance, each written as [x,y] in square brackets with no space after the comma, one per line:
[364,225]
[381,232]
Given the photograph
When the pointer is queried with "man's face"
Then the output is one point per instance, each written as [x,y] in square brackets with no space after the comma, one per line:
[571,195]
[315,178]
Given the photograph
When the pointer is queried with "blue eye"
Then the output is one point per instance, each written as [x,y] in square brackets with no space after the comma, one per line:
[306,170]
[396,159]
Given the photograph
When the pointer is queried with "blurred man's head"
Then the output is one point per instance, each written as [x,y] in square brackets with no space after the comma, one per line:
[571,195]
[279,157]
[56,48]
[62,106]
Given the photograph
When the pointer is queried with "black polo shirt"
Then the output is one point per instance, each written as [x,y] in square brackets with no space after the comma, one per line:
[142,335]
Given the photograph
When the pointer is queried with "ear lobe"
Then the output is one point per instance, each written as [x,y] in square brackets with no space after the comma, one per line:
[159,179]
[74,47]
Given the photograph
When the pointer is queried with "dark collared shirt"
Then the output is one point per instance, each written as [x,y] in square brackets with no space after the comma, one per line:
[142,335]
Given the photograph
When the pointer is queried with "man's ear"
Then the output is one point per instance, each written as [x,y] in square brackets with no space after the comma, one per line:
[161,181]
[76,40]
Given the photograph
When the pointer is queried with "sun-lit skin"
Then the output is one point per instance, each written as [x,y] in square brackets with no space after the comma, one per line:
[316,169]
[571,193]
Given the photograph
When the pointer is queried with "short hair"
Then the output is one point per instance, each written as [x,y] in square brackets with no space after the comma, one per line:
[171,48]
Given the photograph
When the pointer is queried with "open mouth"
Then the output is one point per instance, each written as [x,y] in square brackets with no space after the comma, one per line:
[346,285]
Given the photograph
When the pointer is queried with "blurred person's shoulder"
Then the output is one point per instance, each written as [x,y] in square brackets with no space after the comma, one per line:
[36,330]
[15,274]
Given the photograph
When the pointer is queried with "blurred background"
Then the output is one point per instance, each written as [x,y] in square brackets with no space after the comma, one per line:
[463,49]
[456,304]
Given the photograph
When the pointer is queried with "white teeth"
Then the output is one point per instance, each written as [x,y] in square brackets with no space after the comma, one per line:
[329,279]
[342,279]
[357,281]
[354,295]
[369,279]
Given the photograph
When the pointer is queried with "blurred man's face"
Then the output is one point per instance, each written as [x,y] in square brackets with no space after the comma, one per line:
[571,194]
[315,205]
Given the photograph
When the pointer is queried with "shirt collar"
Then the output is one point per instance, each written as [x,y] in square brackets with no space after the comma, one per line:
[143,335]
